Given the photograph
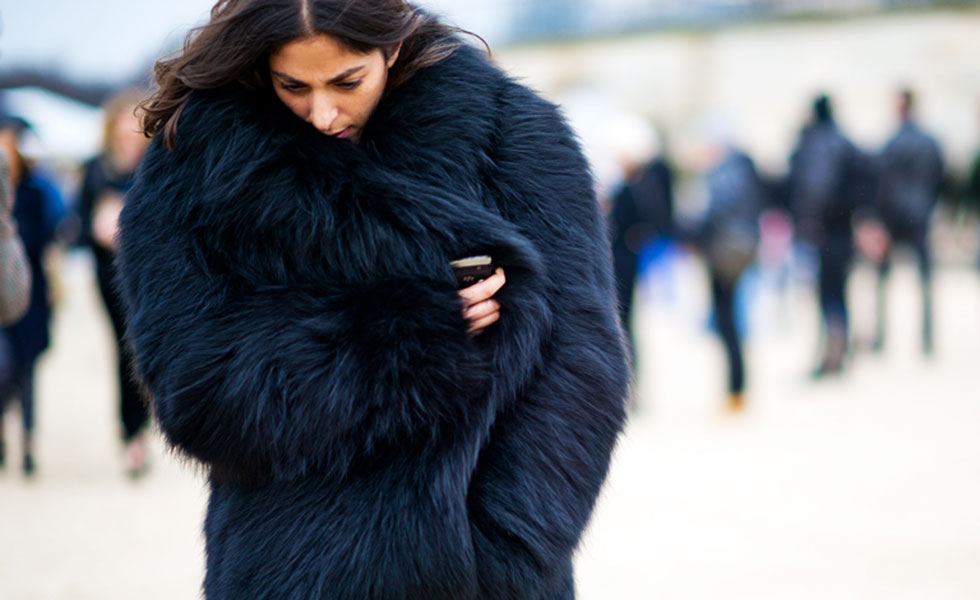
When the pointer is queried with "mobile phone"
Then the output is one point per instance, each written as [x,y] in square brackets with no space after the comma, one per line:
[472,269]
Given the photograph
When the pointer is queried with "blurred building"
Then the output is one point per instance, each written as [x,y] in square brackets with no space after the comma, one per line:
[755,63]
[521,21]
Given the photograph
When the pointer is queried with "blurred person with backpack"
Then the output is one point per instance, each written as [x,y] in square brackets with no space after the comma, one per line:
[731,238]
[728,235]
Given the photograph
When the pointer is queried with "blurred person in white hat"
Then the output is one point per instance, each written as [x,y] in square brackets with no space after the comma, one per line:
[641,208]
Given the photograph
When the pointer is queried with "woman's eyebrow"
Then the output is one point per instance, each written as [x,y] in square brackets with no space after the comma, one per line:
[345,74]
[292,80]
[287,79]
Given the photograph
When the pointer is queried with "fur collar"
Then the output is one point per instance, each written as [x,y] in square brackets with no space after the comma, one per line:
[247,174]
[443,117]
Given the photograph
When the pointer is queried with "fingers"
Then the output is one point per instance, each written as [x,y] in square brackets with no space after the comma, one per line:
[483,290]
[481,310]
[477,327]
[479,307]
[482,315]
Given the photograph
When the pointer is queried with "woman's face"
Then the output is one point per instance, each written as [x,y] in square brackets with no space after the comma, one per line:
[328,85]
[8,148]
[128,142]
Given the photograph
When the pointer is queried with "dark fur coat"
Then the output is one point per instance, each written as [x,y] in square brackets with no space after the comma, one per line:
[294,315]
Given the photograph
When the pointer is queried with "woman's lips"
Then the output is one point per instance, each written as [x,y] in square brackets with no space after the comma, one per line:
[344,134]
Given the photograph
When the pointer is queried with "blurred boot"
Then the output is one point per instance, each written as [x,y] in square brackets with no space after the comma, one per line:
[880,307]
[833,360]
[736,402]
[29,466]
[879,341]
[927,346]
[136,463]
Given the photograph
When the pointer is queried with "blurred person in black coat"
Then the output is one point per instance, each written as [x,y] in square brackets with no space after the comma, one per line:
[38,209]
[829,177]
[642,210]
[106,177]
[910,181]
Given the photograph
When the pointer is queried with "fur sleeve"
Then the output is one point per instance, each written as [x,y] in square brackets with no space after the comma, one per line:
[283,379]
[537,481]
[284,383]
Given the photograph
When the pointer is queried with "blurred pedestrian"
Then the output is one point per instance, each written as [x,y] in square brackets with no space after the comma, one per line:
[971,191]
[726,231]
[911,177]
[38,209]
[641,211]
[15,274]
[106,177]
[15,287]
[826,183]
[370,430]
[728,234]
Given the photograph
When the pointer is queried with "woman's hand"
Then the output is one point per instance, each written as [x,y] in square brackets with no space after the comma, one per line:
[105,219]
[479,307]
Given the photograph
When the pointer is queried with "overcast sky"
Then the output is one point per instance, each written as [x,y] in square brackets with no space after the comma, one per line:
[102,39]
[108,39]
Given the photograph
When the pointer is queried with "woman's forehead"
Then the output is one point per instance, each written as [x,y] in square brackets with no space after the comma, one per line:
[320,56]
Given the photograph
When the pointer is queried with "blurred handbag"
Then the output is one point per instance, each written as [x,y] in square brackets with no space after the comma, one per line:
[730,252]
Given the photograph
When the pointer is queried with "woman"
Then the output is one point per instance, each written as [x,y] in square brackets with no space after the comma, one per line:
[106,178]
[370,431]
[38,209]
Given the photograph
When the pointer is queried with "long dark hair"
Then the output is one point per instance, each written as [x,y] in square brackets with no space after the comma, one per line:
[235,45]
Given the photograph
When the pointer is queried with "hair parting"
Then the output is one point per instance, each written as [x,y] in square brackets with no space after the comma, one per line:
[236,43]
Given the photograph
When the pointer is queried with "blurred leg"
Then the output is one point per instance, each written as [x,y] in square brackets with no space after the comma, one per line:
[8,377]
[921,246]
[132,407]
[625,264]
[723,297]
[834,259]
[881,316]
[133,412]
[27,412]
[3,440]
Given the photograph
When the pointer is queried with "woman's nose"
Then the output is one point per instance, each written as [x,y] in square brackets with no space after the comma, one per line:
[323,113]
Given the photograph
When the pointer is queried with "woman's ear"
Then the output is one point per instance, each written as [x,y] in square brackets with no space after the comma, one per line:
[392,55]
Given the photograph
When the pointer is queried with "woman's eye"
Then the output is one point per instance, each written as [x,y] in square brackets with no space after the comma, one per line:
[291,87]
[349,85]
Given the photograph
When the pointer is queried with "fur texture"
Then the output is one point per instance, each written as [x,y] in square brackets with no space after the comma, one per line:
[294,315]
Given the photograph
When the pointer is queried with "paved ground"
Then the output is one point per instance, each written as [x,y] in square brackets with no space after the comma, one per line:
[863,487]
